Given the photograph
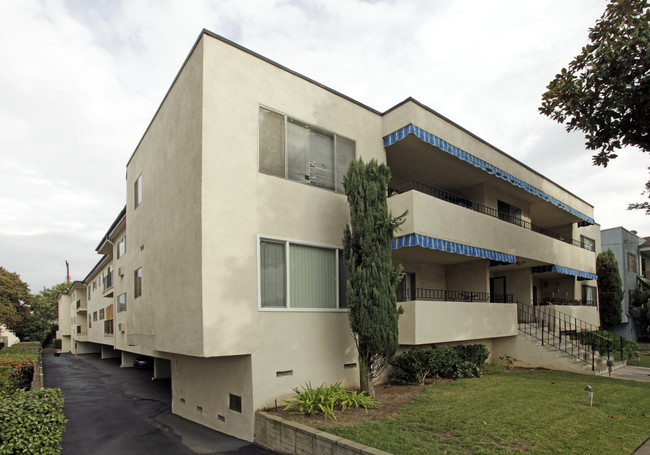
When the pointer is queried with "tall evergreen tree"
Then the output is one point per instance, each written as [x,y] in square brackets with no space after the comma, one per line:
[372,278]
[610,291]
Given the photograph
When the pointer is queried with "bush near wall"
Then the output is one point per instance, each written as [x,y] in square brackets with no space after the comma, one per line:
[56,343]
[31,421]
[17,364]
[416,365]
[599,343]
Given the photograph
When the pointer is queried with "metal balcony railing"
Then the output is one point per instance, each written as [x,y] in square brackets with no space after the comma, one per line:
[108,281]
[568,302]
[448,295]
[409,185]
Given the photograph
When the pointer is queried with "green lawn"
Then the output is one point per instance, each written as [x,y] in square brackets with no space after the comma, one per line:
[535,412]
[644,361]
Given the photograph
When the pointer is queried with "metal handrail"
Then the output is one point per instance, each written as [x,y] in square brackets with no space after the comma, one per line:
[408,185]
[566,333]
[448,295]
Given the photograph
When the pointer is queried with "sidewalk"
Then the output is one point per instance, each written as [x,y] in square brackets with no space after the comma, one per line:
[632,373]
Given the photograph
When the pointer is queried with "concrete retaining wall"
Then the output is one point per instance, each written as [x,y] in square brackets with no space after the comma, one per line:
[288,437]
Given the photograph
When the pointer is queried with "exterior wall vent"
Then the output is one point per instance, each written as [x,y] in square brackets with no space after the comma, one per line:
[284,373]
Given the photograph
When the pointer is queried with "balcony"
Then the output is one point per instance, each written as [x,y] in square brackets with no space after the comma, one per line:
[108,281]
[428,322]
[447,295]
[80,306]
[409,185]
[451,218]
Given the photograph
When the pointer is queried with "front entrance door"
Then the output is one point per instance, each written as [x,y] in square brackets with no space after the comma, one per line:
[498,289]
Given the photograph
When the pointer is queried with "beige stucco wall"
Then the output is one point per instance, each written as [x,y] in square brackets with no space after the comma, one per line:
[425,322]
[201,388]
[519,283]
[469,276]
[164,232]
[587,314]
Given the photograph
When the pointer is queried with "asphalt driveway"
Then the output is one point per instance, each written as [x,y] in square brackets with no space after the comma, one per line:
[113,410]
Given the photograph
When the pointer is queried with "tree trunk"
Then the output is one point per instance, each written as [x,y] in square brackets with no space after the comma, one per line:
[365,380]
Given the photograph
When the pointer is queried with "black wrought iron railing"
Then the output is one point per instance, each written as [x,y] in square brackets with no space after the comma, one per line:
[448,295]
[408,185]
[568,302]
[566,333]
[108,281]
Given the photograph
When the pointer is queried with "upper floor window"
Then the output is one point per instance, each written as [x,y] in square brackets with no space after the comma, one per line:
[101,314]
[88,292]
[587,243]
[121,247]
[121,302]
[137,289]
[301,276]
[137,191]
[631,263]
[305,153]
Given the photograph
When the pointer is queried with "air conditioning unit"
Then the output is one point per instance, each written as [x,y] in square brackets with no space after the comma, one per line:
[120,327]
[120,271]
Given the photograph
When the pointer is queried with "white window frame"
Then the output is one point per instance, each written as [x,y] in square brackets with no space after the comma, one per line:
[286,155]
[286,242]
[137,192]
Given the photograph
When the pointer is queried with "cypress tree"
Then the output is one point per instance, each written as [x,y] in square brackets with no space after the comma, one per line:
[610,292]
[372,278]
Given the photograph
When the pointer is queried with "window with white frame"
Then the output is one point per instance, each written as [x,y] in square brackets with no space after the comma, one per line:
[299,276]
[137,288]
[121,247]
[121,302]
[589,295]
[137,191]
[587,243]
[305,153]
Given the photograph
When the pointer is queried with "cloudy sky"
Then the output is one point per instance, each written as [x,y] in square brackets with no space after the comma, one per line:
[80,80]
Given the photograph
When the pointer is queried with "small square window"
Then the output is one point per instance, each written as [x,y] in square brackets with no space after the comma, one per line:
[235,403]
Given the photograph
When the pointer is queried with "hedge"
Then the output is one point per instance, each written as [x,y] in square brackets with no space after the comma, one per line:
[32,421]
[17,365]
[599,343]
[461,361]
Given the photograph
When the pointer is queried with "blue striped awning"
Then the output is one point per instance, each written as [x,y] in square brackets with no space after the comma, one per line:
[479,163]
[450,247]
[565,271]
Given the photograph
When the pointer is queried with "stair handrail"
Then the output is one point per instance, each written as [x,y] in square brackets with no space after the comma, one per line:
[556,328]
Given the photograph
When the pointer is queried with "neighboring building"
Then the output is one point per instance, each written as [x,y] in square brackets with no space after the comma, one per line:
[7,337]
[226,264]
[631,253]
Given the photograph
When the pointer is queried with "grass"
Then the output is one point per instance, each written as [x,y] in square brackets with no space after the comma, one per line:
[536,412]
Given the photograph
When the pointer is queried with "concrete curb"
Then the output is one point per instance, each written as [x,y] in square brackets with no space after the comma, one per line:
[287,437]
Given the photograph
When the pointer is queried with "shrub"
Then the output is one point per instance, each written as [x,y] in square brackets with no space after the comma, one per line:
[416,365]
[56,343]
[324,399]
[599,343]
[18,362]
[32,422]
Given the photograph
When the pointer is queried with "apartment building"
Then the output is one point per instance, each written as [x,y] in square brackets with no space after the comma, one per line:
[226,264]
[632,253]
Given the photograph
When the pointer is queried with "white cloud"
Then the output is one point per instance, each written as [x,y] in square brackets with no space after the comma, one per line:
[80,82]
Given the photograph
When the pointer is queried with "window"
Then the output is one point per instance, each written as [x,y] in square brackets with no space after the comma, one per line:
[297,151]
[137,288]
[234,403]
[301,276]
[509,213]
[94,316]
[137,191]
[587,243]
[94,285]
[88,292]
[121,302]
[406,288]
[89,322]
[631,263]
[589,295]
[121,247]
[108,327]
[101,314]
